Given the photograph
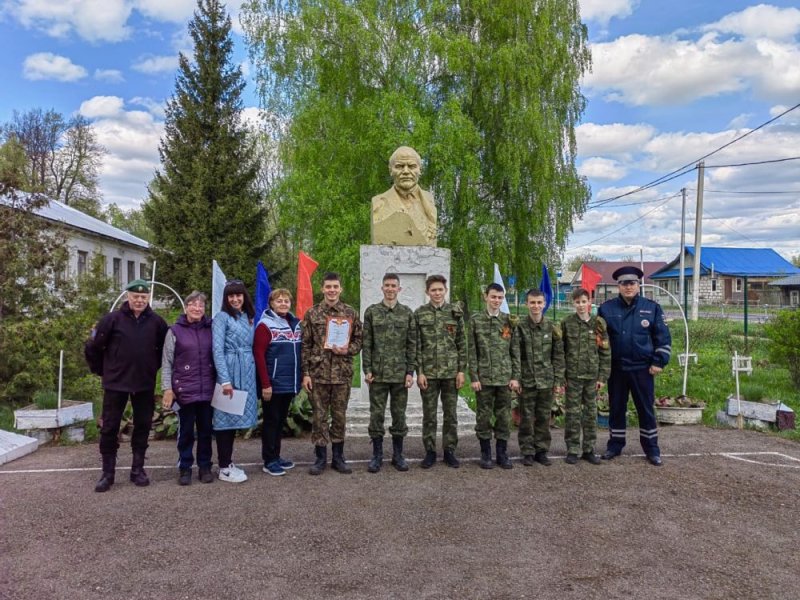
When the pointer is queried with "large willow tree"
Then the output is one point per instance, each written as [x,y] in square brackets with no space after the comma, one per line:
[486,91]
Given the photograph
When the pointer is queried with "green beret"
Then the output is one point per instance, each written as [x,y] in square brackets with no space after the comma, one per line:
[139,286]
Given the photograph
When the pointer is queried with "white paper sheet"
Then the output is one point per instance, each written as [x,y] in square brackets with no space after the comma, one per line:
[233,405]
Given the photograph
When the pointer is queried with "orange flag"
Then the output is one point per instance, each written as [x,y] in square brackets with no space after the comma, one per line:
[589,279]
[305,293]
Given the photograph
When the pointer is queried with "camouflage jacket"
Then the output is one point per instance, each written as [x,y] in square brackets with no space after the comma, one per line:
[441,342]
[390,343]
[587,353]
[492,357]
[323,366]
[541,354]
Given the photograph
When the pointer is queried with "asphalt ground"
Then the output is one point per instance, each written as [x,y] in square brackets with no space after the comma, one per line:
[720,519]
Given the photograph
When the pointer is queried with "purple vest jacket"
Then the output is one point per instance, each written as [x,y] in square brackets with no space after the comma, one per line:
[193,372]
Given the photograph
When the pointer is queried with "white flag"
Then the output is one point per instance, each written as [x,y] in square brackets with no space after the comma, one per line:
[218,280]
[498,279]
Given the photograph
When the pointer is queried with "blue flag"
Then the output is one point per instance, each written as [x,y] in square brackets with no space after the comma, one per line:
[263,290]
[546,288]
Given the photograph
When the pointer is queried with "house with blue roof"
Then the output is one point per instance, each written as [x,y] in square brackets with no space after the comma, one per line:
[726,274]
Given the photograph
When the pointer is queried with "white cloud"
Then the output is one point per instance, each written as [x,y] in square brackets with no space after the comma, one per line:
[101,107]
[759,21]
[174,11]
[109,75]
[602,168]
[154,65]
[602,11]
[49,66]
[92,20]
[155,108]
[615,139]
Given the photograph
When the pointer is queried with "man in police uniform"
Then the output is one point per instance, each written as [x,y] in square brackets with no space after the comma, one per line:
[388,357]
[640,349]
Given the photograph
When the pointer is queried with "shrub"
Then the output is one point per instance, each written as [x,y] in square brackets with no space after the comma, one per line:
[784,335]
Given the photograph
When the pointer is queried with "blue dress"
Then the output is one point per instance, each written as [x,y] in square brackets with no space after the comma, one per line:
[233,359]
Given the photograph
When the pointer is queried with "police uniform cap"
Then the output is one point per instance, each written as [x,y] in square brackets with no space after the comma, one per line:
[140,286]
[627,273]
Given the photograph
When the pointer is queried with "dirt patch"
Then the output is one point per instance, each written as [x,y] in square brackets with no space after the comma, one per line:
[718,520]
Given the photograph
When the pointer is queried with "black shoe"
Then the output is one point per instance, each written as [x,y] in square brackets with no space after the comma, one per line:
[528,460]
[591,458]
[430,458]
[450,459]
[204,475]
[501,447]
[655,460]
[609,455]
[104,483]
[338,463]
[321,452]
[572,459]
[486,454]
[185,477]
[398,460]
[377,455]
[542,459]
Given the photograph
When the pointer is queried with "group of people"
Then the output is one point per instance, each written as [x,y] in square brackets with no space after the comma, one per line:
[270,357]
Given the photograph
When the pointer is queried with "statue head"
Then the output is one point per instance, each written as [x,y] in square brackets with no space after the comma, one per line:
[405,167]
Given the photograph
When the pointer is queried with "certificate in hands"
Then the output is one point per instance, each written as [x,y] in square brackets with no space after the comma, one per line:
[337,332]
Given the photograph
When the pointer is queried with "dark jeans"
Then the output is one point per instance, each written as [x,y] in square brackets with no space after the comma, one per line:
[274,413]
[114,404]
[225,439]
[195,414]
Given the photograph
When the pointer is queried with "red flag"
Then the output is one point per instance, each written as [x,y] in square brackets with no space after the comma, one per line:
[305,293]
[589,279]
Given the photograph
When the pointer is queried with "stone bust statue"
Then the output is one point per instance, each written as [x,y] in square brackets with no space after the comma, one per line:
[405,214]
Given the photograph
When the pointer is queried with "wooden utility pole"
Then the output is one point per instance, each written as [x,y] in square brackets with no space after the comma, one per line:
[698,240]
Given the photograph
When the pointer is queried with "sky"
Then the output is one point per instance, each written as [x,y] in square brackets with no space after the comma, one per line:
[670,83]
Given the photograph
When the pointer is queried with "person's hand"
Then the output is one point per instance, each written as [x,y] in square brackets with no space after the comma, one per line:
[513,385]
[476,386]
[559,389]
[409,380]
[600,385]
[422,382]
[307,384]
[459,380]
[227,390]
[167,398]
[369,378]
[266,394]
[654,370]
[340,350]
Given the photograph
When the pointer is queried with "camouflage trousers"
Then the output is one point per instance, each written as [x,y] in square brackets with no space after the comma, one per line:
[534,422]
[493,401]
[430,402]
[378,393]
[329,405]
[580,413]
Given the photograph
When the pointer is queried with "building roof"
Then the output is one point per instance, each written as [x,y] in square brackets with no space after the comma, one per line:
[792,280]
[736,262]
[61,213]
[607,267]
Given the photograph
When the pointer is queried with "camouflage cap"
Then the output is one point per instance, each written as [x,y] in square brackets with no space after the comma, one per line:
[140,286]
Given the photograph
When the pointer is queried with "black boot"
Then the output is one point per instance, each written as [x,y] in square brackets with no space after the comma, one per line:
[397,453]
[486,454]
[138,475]
[502,455]
[107,478]
[450,459]
[377,455]
[319,465]
[338,463]
[430,458]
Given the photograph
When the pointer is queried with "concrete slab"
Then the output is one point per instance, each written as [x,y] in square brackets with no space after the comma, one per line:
[15,445]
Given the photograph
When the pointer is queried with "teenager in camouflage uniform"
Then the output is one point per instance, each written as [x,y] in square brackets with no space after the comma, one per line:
[588,364]
[441,362]
[492,361]
[541,351]
[328,374]
[388,359]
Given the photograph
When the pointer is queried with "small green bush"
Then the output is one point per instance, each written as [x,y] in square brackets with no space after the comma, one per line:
[45,399]
[784,335]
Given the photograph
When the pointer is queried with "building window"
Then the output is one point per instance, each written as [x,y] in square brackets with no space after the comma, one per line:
[83,258]
[143,274]
[713,285]
[118,271]
[738,285]
[131,271]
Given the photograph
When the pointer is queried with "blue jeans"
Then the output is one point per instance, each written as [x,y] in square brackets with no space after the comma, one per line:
[195,414]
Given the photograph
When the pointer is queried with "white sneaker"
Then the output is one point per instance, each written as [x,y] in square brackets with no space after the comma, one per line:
[232,474]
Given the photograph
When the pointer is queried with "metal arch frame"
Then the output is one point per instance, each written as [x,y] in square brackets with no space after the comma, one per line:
[113,306]
[685,330]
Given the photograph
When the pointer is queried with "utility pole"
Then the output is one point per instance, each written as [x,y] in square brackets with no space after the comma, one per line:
[698,240]
[682,276]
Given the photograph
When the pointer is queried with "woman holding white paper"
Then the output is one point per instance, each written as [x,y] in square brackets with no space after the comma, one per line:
[233,357]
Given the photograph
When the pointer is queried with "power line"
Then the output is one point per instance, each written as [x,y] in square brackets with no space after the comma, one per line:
[760,162]
[755,193]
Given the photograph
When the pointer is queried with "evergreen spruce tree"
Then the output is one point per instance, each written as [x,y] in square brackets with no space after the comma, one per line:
[204,203]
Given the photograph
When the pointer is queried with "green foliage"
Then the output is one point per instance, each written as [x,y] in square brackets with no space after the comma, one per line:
[45,399]
[204,203]
[131,220]
[487,92]
[300,413]
[783,332]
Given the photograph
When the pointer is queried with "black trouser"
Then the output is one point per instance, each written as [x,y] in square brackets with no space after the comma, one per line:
[225,439]
[274,413]
[190,415]
[114,404]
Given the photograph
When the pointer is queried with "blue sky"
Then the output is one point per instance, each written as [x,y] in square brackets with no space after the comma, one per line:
[671,81]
